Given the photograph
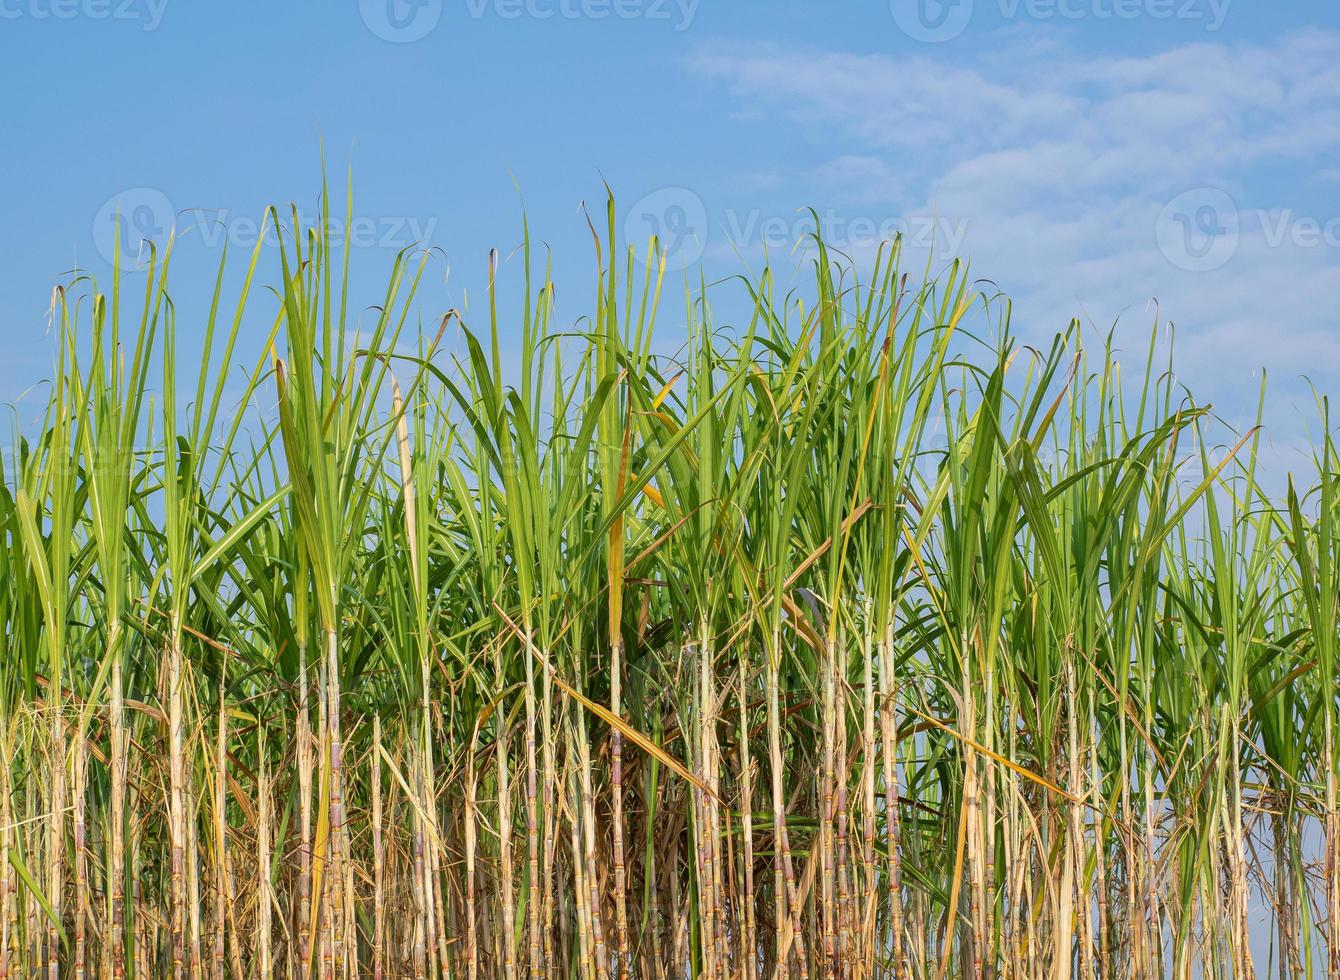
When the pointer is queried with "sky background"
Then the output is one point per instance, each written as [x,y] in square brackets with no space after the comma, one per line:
[1112,160]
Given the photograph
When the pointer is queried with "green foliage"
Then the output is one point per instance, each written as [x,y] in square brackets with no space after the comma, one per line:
[841,636]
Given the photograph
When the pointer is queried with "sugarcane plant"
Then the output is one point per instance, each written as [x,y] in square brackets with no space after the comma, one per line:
[842,634]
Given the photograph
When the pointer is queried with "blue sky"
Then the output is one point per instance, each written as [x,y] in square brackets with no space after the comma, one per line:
[1089,156]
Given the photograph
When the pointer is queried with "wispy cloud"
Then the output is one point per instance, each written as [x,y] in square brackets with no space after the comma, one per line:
[1093,184]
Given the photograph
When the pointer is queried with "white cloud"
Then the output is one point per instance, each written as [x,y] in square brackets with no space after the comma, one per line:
[1061,167]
